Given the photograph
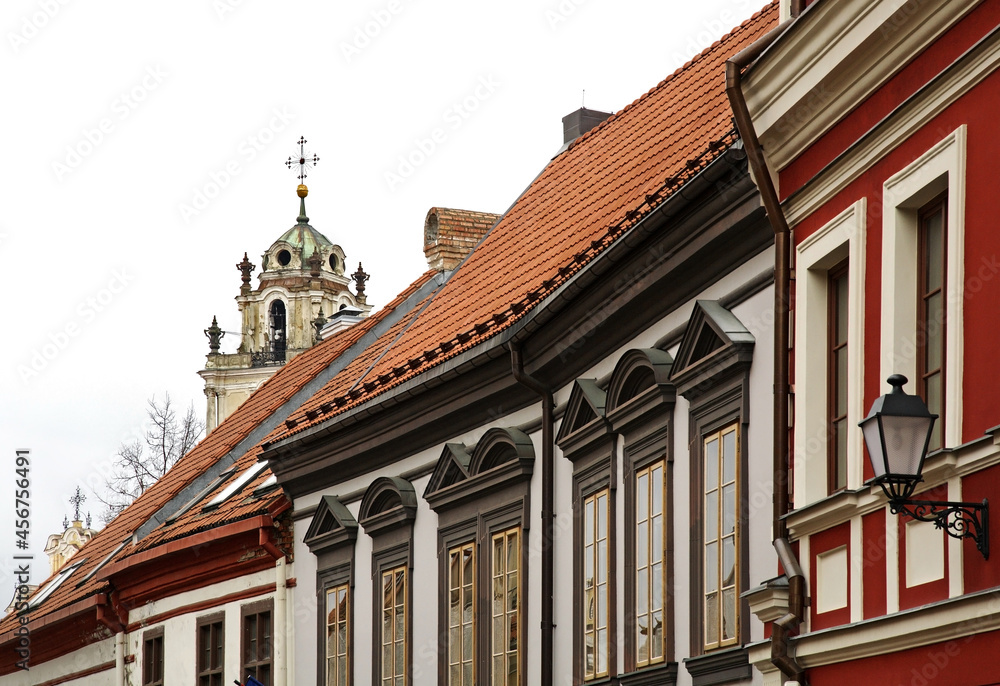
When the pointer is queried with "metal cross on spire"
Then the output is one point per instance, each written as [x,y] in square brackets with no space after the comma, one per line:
[77,501]
[304,161]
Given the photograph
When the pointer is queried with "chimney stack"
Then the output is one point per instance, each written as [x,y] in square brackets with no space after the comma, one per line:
[450,235]
[575,124]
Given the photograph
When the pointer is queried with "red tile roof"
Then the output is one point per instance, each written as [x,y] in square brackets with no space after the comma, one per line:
[584,200]
[291,378]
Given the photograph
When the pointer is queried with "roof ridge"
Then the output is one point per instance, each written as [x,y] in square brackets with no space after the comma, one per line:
[499,321]
[673,75]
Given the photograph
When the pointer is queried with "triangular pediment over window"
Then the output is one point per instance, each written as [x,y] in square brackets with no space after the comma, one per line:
[503,455]
[331,525]
[715,345]
[584,421]
[452,467]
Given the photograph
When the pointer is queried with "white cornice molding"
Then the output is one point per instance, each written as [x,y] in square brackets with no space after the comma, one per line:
[832,61]
[948,620]
[888,134]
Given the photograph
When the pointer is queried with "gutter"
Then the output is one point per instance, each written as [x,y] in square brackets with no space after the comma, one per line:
[781,655]
[548,502]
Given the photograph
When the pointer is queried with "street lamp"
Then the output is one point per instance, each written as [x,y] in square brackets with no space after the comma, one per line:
[897,432]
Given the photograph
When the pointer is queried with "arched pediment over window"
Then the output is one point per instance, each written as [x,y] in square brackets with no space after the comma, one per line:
[503,456]
[390,501]
[637,371]
[498,446]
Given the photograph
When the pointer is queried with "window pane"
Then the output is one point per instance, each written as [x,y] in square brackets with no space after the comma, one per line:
[656,489]
[935,331]
[729,614]
[642,544]
[711,462]
[840,335]
[729,457]
[711,516]
[642,591]
[512,550]
[602,516]
[712,619]
[711,567]
[935,250]
[588,522]
[841,362]
[728,561]
[728,509]
[656,598]
[642,497]
[602,563]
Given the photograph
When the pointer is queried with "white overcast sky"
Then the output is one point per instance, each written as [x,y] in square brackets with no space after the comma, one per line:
[121,221]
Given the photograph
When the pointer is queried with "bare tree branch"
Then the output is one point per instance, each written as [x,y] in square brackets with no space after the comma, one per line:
[140,463]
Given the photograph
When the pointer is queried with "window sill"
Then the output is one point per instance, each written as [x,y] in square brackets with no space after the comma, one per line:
[661,675]
[719,667]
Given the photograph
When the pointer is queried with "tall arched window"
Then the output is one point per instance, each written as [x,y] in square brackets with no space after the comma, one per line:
[278,334]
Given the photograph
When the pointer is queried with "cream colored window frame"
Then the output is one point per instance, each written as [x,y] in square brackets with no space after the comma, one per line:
[505,660]
[714,636]
[462,626]
[394,645]
[650,563]
[596,575]
[341,618]
[941,168]
[842,237]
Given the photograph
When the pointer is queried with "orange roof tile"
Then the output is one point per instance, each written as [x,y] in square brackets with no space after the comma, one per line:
[583,201]
[259,406]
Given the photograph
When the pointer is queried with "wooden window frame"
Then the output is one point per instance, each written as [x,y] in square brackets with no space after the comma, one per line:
[256,609]
[591,539]
[335,582]
[834,275]
[153,648]
[207,671]
[937,207]
[504,536]
[466,644]
[490,499]
[394,572]
[718,487]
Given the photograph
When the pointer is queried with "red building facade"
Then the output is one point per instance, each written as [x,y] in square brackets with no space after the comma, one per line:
[874,126]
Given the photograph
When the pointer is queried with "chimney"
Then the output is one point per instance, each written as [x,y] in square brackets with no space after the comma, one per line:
[450,235]
[345,317]
[575,124]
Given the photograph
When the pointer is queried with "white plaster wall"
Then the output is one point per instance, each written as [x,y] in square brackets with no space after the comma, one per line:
[755,314]
[79,660]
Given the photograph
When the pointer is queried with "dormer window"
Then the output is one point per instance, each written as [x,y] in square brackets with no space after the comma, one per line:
[236,486]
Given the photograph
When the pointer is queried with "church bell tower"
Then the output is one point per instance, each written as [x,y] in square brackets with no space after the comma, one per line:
[302,285]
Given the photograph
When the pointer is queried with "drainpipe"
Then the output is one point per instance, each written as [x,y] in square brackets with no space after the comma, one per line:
[781,629]
[280,624]
[548,505]
[120,659]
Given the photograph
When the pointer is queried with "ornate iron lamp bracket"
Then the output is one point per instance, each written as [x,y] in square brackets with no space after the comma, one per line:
[959,520]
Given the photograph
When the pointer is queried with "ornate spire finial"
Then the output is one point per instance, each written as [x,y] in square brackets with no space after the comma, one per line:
[304,162]
[76,501]
[214,334]
[318,323]
[245,267]
[315,260]
[65,522]
[88,520]
[360,277]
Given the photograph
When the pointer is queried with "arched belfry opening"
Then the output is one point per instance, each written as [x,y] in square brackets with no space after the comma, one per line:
[279,331]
